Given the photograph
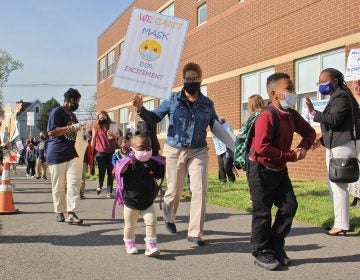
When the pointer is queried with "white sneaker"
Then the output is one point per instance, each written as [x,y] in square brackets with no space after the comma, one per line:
[151,249]
[130,247]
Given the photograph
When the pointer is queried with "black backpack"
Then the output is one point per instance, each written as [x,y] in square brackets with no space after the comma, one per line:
[244,139]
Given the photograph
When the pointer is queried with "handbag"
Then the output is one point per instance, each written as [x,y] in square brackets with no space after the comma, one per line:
[344,170]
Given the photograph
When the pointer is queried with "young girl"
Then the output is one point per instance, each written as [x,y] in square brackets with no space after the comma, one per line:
[139,194]
[123,151]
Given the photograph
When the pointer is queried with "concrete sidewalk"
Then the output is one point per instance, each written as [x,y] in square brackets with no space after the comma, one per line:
[34,246]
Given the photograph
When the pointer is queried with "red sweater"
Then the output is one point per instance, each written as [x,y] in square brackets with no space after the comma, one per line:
[102,143]
[273,151]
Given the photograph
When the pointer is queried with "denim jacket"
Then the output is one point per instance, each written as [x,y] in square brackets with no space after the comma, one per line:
[187,123]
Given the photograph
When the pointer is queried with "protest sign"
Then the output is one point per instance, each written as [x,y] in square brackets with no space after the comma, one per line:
[319,105]
[30,118]
[153,47]
[352,71]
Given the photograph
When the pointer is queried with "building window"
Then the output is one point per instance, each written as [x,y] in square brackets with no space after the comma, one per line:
[102,69]
[254,83]
[204,90]
[111,62]
[149,105]
[124,119]
[164,123]
[307,71]
[202,14]
[111,115]
[37,110]
[169,10]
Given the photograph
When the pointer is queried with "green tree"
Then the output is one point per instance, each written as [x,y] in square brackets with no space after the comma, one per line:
[7,65]
[48,106]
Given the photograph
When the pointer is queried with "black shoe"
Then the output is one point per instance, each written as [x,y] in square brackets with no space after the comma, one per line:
[73,219]
[60,218]
[98,190]
[266,260]
[38,177]
[82,196]
[197,241]
[171,227]
[282,257]
[45,178]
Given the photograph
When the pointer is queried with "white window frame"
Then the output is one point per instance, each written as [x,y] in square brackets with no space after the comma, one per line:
[199,9]
[313,93]
[111,62]
[102,68]
[149,104]
[258,86]
[123,119]
[169,10]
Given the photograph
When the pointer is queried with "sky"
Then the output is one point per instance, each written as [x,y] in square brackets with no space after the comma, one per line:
[57,43]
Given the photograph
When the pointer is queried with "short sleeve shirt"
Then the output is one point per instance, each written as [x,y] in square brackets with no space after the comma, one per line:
[61,148]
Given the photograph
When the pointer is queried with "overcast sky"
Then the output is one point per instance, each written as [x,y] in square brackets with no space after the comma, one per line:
[56,41]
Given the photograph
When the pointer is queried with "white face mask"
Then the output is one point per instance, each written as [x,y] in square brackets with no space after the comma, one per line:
[289,100]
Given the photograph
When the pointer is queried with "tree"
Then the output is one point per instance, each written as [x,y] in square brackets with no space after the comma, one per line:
[48,106]
[7,65]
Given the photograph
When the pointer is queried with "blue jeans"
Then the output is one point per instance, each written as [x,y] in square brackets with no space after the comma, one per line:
[105,165]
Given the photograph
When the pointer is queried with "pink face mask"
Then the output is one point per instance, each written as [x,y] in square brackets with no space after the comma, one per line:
[143,156]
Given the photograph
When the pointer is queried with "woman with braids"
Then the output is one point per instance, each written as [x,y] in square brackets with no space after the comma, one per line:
[337,119]
[104,142]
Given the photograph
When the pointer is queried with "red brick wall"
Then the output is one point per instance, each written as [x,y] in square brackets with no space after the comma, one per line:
[237,35]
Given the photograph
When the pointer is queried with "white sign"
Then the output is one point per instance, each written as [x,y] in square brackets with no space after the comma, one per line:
[19,145]
[153,47]
[319,105]
[30,118]
[352,72]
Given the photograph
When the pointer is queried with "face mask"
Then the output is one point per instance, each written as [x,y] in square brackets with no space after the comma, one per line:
[42,137]
[289,101]
[143,156]
[192,87]
[102,121]
[74,106]
[326,88]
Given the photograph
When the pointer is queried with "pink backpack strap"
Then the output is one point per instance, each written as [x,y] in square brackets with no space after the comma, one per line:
[119,199]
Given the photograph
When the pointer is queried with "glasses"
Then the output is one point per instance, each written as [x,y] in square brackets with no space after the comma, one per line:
[191,80]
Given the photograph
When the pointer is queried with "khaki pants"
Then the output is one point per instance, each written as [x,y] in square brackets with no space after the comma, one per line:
[131,218]
[83,178]
[339,192]
[179,162]
[40,165]
[66,174]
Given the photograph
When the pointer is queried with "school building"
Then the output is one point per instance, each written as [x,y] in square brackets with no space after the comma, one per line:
[238,45]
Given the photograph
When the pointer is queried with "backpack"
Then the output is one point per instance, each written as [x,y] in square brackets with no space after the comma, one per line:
[244,139]
[119,197]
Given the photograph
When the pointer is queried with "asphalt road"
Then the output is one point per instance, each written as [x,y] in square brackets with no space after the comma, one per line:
[34,246]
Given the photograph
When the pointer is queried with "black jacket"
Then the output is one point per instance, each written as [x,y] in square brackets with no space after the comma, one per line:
[337,117]
[140,188]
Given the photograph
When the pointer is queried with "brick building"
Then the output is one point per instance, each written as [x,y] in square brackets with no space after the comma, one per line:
[239,44]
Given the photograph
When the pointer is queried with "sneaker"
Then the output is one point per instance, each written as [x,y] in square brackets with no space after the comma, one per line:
[282,257]
[82,196]
[130,247]
[27,175]
[151,249]
[60,218]
[98,190]
[72,219]
[33,176]
[38,177]
[197,241]
[266,260]
[110,195]
[171,227]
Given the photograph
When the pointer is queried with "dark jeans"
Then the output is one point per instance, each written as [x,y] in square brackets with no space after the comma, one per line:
[30,168]
[225,168]
[268,188]
[105,166]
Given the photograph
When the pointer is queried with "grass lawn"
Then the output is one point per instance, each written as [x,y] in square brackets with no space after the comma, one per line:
[313,197]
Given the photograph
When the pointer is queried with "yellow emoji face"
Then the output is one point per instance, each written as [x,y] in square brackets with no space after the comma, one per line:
[150,49]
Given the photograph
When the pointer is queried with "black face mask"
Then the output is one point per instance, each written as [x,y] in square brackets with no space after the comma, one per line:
[42,137]
[74,106]
[192,87]
[103,121]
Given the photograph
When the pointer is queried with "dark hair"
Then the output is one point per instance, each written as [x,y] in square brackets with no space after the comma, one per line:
[337,75]
[194,67]
[72,93]
[275,78]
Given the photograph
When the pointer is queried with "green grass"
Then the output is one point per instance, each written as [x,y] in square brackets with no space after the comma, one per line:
[313,197]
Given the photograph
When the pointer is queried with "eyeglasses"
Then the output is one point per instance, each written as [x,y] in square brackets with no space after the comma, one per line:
[191,80]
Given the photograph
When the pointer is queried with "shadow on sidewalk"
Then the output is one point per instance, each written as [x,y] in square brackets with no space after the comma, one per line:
[336,259]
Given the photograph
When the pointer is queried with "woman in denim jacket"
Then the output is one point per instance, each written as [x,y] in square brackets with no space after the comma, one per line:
[186,151]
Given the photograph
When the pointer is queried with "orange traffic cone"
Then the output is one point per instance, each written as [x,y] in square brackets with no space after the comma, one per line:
[6,196]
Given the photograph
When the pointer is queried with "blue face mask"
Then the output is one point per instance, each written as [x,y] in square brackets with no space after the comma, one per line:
[326,88]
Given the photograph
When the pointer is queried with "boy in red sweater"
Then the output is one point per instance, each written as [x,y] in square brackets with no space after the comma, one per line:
[268,175]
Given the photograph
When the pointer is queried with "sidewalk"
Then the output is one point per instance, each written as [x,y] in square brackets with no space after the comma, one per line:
[34,246]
